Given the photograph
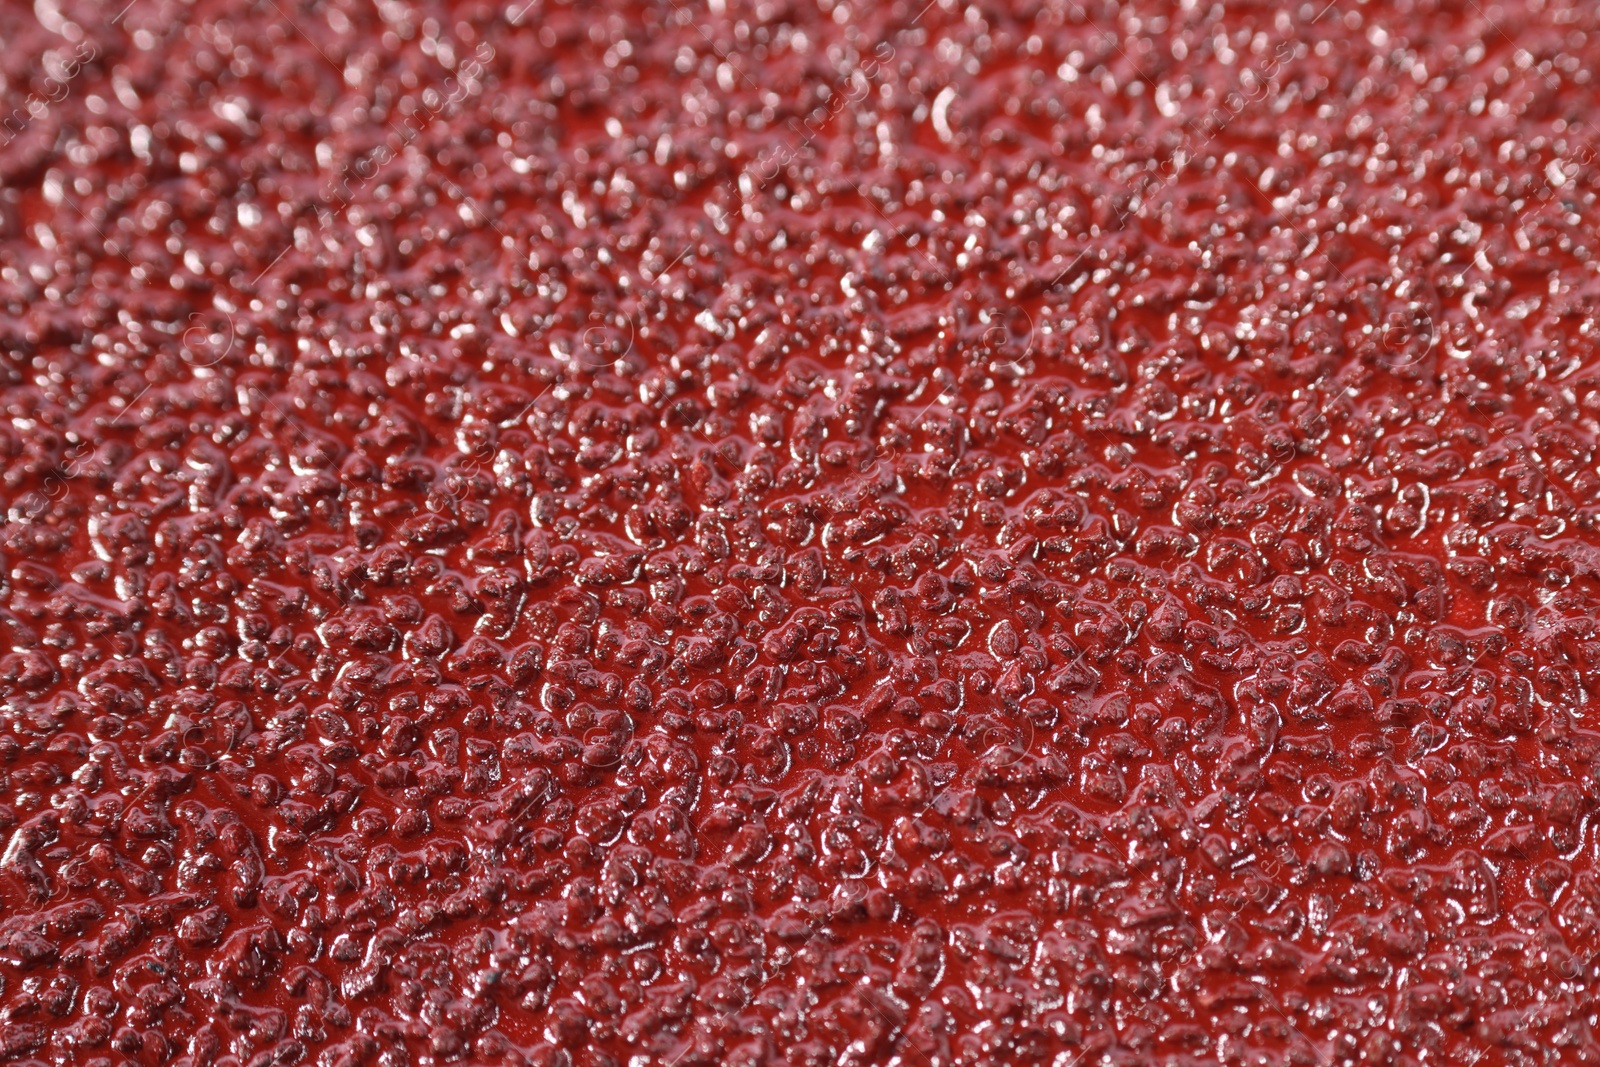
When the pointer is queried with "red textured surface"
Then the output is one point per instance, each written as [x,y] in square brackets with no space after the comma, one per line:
[766,534]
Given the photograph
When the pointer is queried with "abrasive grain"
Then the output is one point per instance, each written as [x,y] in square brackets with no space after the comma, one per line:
[772,533]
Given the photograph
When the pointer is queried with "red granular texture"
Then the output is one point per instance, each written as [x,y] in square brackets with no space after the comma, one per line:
[760,533]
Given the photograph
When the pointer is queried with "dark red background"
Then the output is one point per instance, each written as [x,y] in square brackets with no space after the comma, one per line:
[671,534]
